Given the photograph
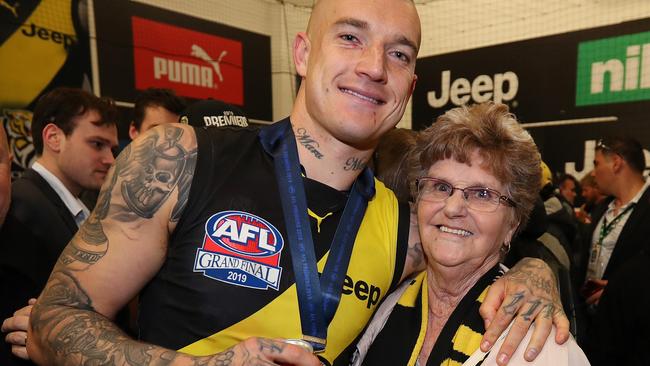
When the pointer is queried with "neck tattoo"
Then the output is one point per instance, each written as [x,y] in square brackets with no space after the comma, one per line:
[354,164]
[308,142]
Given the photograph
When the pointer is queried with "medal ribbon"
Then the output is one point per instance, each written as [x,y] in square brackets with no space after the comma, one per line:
[318,299]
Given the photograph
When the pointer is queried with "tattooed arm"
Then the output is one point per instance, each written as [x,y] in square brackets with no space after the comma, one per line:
[115,253]
[528,293]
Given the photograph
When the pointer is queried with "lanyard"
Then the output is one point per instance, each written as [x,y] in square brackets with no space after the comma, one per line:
[318,299]
[607,228]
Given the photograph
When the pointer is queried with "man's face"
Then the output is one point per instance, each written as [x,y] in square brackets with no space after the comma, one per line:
[568,190]
[603,172]
[153,116]
[360,66]
[86,154]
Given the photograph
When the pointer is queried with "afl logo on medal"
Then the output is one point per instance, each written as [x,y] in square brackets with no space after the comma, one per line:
[242,249]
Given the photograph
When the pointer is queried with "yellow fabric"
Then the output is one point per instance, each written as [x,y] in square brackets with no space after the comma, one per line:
[373,261]
[546,177]
[411,294]
[422,280]
[28,64]
[465,340]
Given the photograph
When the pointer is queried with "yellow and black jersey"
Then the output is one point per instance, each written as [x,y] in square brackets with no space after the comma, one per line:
[228,274]
[401,339]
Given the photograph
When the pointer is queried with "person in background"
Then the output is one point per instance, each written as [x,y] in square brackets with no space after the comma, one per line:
[197,215]
[619,229]
[74,135]
[154,107]
[567,186]
[476,174]
[619,332]
[592,197]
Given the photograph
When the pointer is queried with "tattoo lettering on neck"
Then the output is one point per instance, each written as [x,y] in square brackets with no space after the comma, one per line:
[354,164]
[308,142]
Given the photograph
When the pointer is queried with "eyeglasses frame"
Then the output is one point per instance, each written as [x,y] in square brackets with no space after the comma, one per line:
[502,197]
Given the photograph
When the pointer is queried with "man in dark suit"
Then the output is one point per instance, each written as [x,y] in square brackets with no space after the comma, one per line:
[73,133]
[620,227]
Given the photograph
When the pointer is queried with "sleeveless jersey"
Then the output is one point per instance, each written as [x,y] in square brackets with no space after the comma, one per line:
[228,274]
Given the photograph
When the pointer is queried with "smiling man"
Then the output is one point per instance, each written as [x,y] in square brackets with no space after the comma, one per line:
[74,133]
[229,227]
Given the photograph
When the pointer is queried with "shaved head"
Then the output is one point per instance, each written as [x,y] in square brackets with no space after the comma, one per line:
[320,11]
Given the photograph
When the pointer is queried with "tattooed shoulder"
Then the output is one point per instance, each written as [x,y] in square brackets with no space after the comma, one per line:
[159,165]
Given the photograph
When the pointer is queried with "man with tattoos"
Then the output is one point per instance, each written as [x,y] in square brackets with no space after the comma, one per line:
[74,133]
[228,227]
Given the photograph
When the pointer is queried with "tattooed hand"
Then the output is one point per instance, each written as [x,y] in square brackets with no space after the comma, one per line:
[528,293]
[263,351]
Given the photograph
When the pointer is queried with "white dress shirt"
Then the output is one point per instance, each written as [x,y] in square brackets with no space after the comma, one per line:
[78,210]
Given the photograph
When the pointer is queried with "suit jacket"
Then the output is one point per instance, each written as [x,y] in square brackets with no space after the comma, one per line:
[634,237]
[37,228]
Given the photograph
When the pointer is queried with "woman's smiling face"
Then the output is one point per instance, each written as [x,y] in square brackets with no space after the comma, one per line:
[454,235]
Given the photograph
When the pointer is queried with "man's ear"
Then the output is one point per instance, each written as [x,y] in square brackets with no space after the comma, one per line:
[52,137]
[617,163]
[133,132]
[415,79]
[301,48]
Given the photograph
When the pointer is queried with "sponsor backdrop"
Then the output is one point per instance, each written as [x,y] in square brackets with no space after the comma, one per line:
[43,44]
[140,46]
[569,90]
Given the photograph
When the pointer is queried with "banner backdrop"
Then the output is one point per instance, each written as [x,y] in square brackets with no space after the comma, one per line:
[43,45]
[568,90]
[140,46]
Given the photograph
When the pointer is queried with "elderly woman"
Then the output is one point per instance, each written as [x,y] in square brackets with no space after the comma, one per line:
[476,174]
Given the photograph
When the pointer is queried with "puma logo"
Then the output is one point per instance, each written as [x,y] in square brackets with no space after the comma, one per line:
[12,8]
[200,53]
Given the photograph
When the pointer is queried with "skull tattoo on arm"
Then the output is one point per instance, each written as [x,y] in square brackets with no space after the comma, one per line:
[159,170]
